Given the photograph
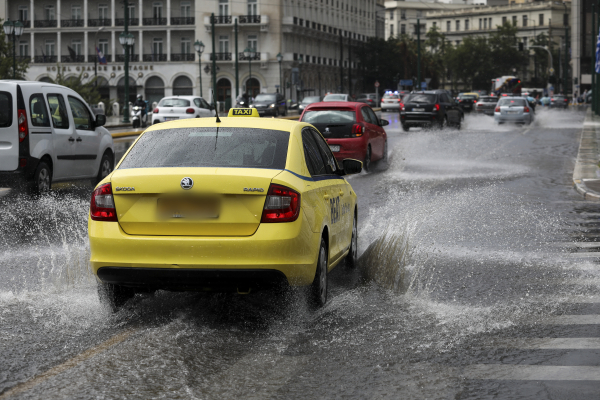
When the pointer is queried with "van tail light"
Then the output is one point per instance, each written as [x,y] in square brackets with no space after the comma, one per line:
[155,111]
[189,111]
[437,107]
[102,207]
[525,109]
[358,129]
[282,204]
[23,128]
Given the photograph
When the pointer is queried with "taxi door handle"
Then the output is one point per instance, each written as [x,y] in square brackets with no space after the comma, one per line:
[326,196]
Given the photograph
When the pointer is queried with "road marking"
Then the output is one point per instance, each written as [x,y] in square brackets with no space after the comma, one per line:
[588,254]
[73,362]
[526,131]
[532,372]
[4,191]
[589,319]
[548,343]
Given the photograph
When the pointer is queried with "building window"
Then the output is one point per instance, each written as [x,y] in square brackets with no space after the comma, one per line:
[253,42]
[23,13]
[50,15]
[392,15]
[403,29]
[103,46]
[186,45]
[224,44]
[252,7]
[76,12]
[131,11]
[514,20]
[466,24]
[448,26]
[490,23]
[541,20]
[457,25]
[525,42]
[223,7]
[434,24]
[480,24]
[457,42]
[186,9]
[524,20]
[103,11]
[391,30]
[76,46]
[503,20]
[402,14]
[157,46]
[24,48]
[50,48]
[419,14]
[157,8]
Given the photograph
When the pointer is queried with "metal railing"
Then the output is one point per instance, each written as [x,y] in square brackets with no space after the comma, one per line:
[221,19]
[132,21]
[100,22]
[45,23]
[91,57]
[154,57]
[45,59]
[68,23]
[72,59]
[220,56]
[155,21]
[255,57]
[183,57]
[132,57]
[183,20]
[249,19]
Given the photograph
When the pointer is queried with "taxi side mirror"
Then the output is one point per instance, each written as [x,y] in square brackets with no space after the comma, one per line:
[351,166]
[384,122]
[100,120]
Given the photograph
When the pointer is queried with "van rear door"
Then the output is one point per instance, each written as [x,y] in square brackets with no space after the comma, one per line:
[9,136]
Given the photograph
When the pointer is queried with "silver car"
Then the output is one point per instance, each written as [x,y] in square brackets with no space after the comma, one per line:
[513,109]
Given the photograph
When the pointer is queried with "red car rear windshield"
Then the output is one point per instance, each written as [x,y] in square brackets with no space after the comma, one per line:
[329,117]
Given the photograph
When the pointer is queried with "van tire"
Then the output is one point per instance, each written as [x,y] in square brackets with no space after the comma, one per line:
[107,165]
[41,181]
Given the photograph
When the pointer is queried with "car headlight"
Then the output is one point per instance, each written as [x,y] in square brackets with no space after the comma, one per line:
[272,105]
[251,106]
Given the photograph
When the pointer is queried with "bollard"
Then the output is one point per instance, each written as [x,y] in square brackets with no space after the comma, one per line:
[116,109]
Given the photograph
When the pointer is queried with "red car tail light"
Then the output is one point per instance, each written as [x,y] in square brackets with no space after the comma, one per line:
[282,204]
[402,107]
[437,107]
[102,207]
[525,109]
[566,99]
[189,111]
[23,127]
[155,111]
[358,129]
[497,109]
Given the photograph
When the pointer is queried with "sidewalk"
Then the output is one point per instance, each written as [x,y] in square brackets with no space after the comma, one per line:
[586,176]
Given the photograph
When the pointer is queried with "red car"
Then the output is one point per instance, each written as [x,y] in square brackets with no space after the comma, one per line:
[351,129]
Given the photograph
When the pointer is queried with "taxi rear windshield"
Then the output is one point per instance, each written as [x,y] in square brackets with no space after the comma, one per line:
[204,147]
[329,117]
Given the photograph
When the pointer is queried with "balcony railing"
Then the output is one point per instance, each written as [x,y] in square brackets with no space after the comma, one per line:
[26,24]
[67,23]
[132,57]
[155,21]
[45,59]
[255,57]
[183,57]
[23,58]
[182,21]
[132,21]
[155,57]
[72,59]
[221,19]
[91,57]
[44,23]
[220,56]
[99,22]
[249,19]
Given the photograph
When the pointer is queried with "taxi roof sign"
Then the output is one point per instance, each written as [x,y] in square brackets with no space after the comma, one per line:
[243,112]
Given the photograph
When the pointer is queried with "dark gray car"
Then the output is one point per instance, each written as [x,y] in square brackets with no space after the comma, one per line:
[270,104]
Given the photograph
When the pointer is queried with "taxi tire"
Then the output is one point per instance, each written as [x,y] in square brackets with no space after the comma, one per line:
[114,296]
[107,166]
[41,182]
[352,257]
[318,289]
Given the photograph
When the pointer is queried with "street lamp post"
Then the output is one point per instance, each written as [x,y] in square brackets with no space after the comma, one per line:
[199,46]
[279,60]
[249,54]
[299,85]
[15,29]
[126,39]
[96,55]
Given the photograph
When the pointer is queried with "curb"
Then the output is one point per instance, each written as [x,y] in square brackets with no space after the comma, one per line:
[588,158]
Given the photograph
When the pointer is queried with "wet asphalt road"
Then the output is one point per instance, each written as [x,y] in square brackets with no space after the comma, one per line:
[479,279]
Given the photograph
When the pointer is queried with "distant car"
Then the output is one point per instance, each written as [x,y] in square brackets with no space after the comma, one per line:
[308,100]
[390,101]
[559,101]
[369,98]
[486,105]
[351,129]
[181,107]
[481,92]
[337,97]
[430,108]
[513,109]
[273,104]
[467,100]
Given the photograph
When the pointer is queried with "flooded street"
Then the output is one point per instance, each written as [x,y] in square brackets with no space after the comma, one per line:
[478,279]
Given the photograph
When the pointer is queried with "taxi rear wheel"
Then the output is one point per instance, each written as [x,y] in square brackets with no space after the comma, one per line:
[114,296]
[318,289]
[352,257]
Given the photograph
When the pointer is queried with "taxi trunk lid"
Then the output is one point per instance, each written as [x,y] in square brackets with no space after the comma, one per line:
[239,194]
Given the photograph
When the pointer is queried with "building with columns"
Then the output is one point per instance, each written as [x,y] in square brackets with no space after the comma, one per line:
[317,40]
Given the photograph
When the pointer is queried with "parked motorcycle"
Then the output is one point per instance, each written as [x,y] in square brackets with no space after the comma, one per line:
[138,117]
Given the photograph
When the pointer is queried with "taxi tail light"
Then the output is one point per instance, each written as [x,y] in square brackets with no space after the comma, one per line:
[155,111]
[358,130]
[437,107]
[189,111]
[282,204]
[23,128]
[102,207]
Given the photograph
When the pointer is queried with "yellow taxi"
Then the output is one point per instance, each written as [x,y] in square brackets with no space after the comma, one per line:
[237,204]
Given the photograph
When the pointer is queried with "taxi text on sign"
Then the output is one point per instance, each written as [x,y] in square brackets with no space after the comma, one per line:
[243,112]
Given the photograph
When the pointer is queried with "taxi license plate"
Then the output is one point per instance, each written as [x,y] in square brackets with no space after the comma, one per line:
[334,147]
[170,118]
[189,208]
[418,109]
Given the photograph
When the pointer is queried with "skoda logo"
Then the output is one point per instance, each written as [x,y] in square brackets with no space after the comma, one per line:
[327,130]
[187,183]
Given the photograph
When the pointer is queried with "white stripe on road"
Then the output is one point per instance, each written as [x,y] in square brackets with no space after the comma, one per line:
[531,372]
[548,343]
[589,254]
[575,320]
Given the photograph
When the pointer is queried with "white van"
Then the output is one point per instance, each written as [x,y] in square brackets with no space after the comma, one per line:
[49,134]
